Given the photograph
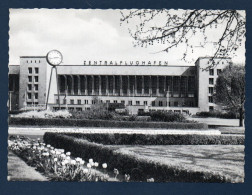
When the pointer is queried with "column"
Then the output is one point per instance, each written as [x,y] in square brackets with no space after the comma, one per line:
[79,91]
[65,77]
[100,90]
[72,89]
[86,92]
[121,91]
[150,87]
[157,85]
[92,85]
[106,78]
[128,86]
[165,90]
[142,86]
[135,92]
[113,85]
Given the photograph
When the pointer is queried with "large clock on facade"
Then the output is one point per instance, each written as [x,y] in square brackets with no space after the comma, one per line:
[54,57]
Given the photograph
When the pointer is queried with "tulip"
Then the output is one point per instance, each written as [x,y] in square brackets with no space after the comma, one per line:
[78,159]
[68,153]
[96,164]
[104,165]
[48,145]
[68,158]
[63,156]
[89,165]
[85,170]
[73,162]
[82,162]
[90,160]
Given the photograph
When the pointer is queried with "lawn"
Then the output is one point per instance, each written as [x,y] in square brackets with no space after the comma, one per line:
[226,160]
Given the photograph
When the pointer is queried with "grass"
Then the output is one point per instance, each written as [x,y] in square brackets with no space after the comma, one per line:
[221,159]
[18,170]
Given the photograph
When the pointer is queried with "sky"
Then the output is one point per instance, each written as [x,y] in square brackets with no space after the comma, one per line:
[87,35]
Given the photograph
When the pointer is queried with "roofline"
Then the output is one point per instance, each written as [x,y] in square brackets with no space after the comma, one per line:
[132,65]
[32,56]
[13,65]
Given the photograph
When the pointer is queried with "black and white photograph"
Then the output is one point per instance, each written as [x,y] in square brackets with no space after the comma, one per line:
[126,95]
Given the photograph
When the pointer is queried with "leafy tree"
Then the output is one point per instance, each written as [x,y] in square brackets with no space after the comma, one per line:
[230,89]
[173,27]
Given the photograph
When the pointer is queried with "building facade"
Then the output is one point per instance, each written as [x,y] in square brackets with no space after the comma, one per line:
[187,89]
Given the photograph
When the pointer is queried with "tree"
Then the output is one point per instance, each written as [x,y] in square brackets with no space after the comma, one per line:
[230,89]
[173,27]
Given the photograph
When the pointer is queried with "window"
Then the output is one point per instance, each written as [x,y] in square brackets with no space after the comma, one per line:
[79,102]
[176,104]
[36,70]
[30,70]
[86,101]
[211,71]
[36,78]
[93,101]
[160,103]
[190,95]
[57,101]
[210,99]
[79,109]
[36,87]
[191,104]
[71,108]
[145,103]
[211,81]
[71,101]
[29,95]
[211,90]
[29,87]
[29,78]
[115,101]
[153,103]
[36,96]
[123,102]
[64,101]
[137,102]
[130,103]
[107,101]
[218,71]
[211,108]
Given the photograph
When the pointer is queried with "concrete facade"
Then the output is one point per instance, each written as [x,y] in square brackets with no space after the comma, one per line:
[186,89]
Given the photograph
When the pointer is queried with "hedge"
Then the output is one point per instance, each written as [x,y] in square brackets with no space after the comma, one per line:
[104,123]
[160,139]
[229,115]
[139,169]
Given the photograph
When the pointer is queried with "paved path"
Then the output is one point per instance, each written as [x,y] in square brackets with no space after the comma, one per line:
[41,130]
[18,170]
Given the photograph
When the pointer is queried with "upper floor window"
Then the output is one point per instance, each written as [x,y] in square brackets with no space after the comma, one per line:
[123,102]
[176,104]
[210,99]
[130,103]
[107,101]
[211,71]
[29,87]
[211,81]
[145,103]
[160,103]
[137,102]
[36,87]
[71,101]
[218,71]
[36,70]
[36,96]
[29,95]
[211,90]
[29,78]
[36,78]
[153,103]
[30,70]
[79,102]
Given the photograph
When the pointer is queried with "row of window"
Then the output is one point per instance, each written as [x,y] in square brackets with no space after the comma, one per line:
[130,103]
[30,87]
[35,61]
[36,70]
[211,71]
[217,62]
[30,78]
[29,95]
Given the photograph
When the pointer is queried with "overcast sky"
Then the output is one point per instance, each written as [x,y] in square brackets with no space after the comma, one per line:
[86,35]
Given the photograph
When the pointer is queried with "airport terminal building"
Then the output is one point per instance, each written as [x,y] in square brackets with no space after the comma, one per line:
[184,89]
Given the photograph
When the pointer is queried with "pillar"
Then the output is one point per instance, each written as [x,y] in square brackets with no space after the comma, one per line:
[142,85]
[157,85]
[92,85]
[86,92]
[107,91]
[121,91]
[113,85]
[100,90]
[135,86]
[150,87]
[128,86]
[79,90]
[72,89]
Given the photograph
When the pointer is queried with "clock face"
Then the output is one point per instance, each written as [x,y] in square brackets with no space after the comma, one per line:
[54,57]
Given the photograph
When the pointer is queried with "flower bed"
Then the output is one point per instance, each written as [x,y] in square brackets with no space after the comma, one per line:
[55,163]
[139,169]
[105,123]
[159,139]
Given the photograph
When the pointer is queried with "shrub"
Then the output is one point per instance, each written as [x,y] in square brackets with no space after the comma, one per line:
[44,114]
[165,116]
[160,139]
[104,123]
[139,169]
[229,115]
